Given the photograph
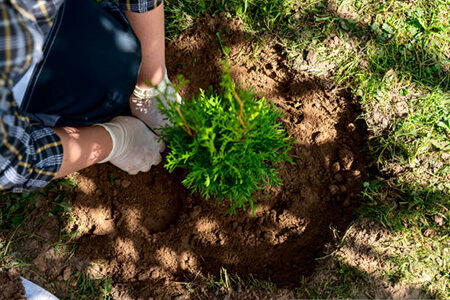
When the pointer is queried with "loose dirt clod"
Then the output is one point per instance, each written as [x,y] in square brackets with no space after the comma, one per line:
[334,189]
[347,158]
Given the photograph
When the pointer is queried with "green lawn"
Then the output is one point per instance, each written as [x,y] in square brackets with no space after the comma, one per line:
[395,58]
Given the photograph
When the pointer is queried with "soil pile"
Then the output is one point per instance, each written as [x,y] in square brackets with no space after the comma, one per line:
[11,287]
[151,235]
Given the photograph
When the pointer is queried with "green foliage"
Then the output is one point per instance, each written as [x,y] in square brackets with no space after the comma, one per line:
[14,208]
[228,282]
[230,143]
[91,288]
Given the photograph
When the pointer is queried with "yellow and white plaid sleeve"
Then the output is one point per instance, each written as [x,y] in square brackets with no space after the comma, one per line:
[139,6]
[30,154]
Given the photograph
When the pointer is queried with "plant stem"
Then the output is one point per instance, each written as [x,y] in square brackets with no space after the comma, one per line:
[188,130]
[241,108]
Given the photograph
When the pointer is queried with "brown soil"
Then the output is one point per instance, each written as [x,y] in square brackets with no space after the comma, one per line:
[153,238]
[11,287]
[148,231]
[366,248]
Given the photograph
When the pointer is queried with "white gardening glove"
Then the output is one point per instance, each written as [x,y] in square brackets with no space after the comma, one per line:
[135,147]
[144,103]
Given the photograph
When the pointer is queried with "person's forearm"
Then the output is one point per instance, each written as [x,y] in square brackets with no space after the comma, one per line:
[82,147]
[149,28]
[85,146]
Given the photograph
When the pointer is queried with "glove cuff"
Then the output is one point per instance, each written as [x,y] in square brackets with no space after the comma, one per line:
[114,131]
[143,94]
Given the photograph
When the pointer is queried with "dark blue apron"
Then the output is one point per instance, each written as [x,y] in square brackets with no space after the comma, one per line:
[89,69]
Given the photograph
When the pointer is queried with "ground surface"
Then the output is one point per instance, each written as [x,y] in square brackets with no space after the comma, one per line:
[11,287]
[394,56]
[152,237]
[148,229]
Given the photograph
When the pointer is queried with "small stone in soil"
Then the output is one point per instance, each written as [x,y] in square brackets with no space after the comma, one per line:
[445,156]
[334,189]
[347,157]
[125,183]
[351,127]
[142,277]
[401,109]
[66,273]
[356,173]
[335,167]
[73,282]
[439,220]
[155,274]
[429,233]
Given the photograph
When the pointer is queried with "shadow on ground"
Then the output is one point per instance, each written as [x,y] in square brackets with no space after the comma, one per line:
[148,232]
[150,236]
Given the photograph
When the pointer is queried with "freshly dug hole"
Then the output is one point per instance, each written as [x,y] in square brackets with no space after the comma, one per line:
[152,235]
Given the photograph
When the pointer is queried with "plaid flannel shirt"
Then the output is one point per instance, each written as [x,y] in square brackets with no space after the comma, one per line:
[30,154]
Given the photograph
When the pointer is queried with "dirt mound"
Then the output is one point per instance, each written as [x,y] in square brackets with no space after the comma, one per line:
[148,233]
[11,287]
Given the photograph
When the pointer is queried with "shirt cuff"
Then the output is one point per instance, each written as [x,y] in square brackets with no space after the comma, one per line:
[39,164]
[139,6]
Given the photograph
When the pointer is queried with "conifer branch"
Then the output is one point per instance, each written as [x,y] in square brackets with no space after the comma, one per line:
[241,108]
[188,130]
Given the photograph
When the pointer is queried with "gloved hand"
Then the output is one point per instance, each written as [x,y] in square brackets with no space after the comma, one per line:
[144,103]
[135,147]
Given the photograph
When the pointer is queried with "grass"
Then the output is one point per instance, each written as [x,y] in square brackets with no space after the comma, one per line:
[16,210]
[87,287]
[345,283]
[395,58]
[228,282]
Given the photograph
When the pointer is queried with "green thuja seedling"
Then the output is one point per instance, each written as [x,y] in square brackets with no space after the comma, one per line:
[229,142]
